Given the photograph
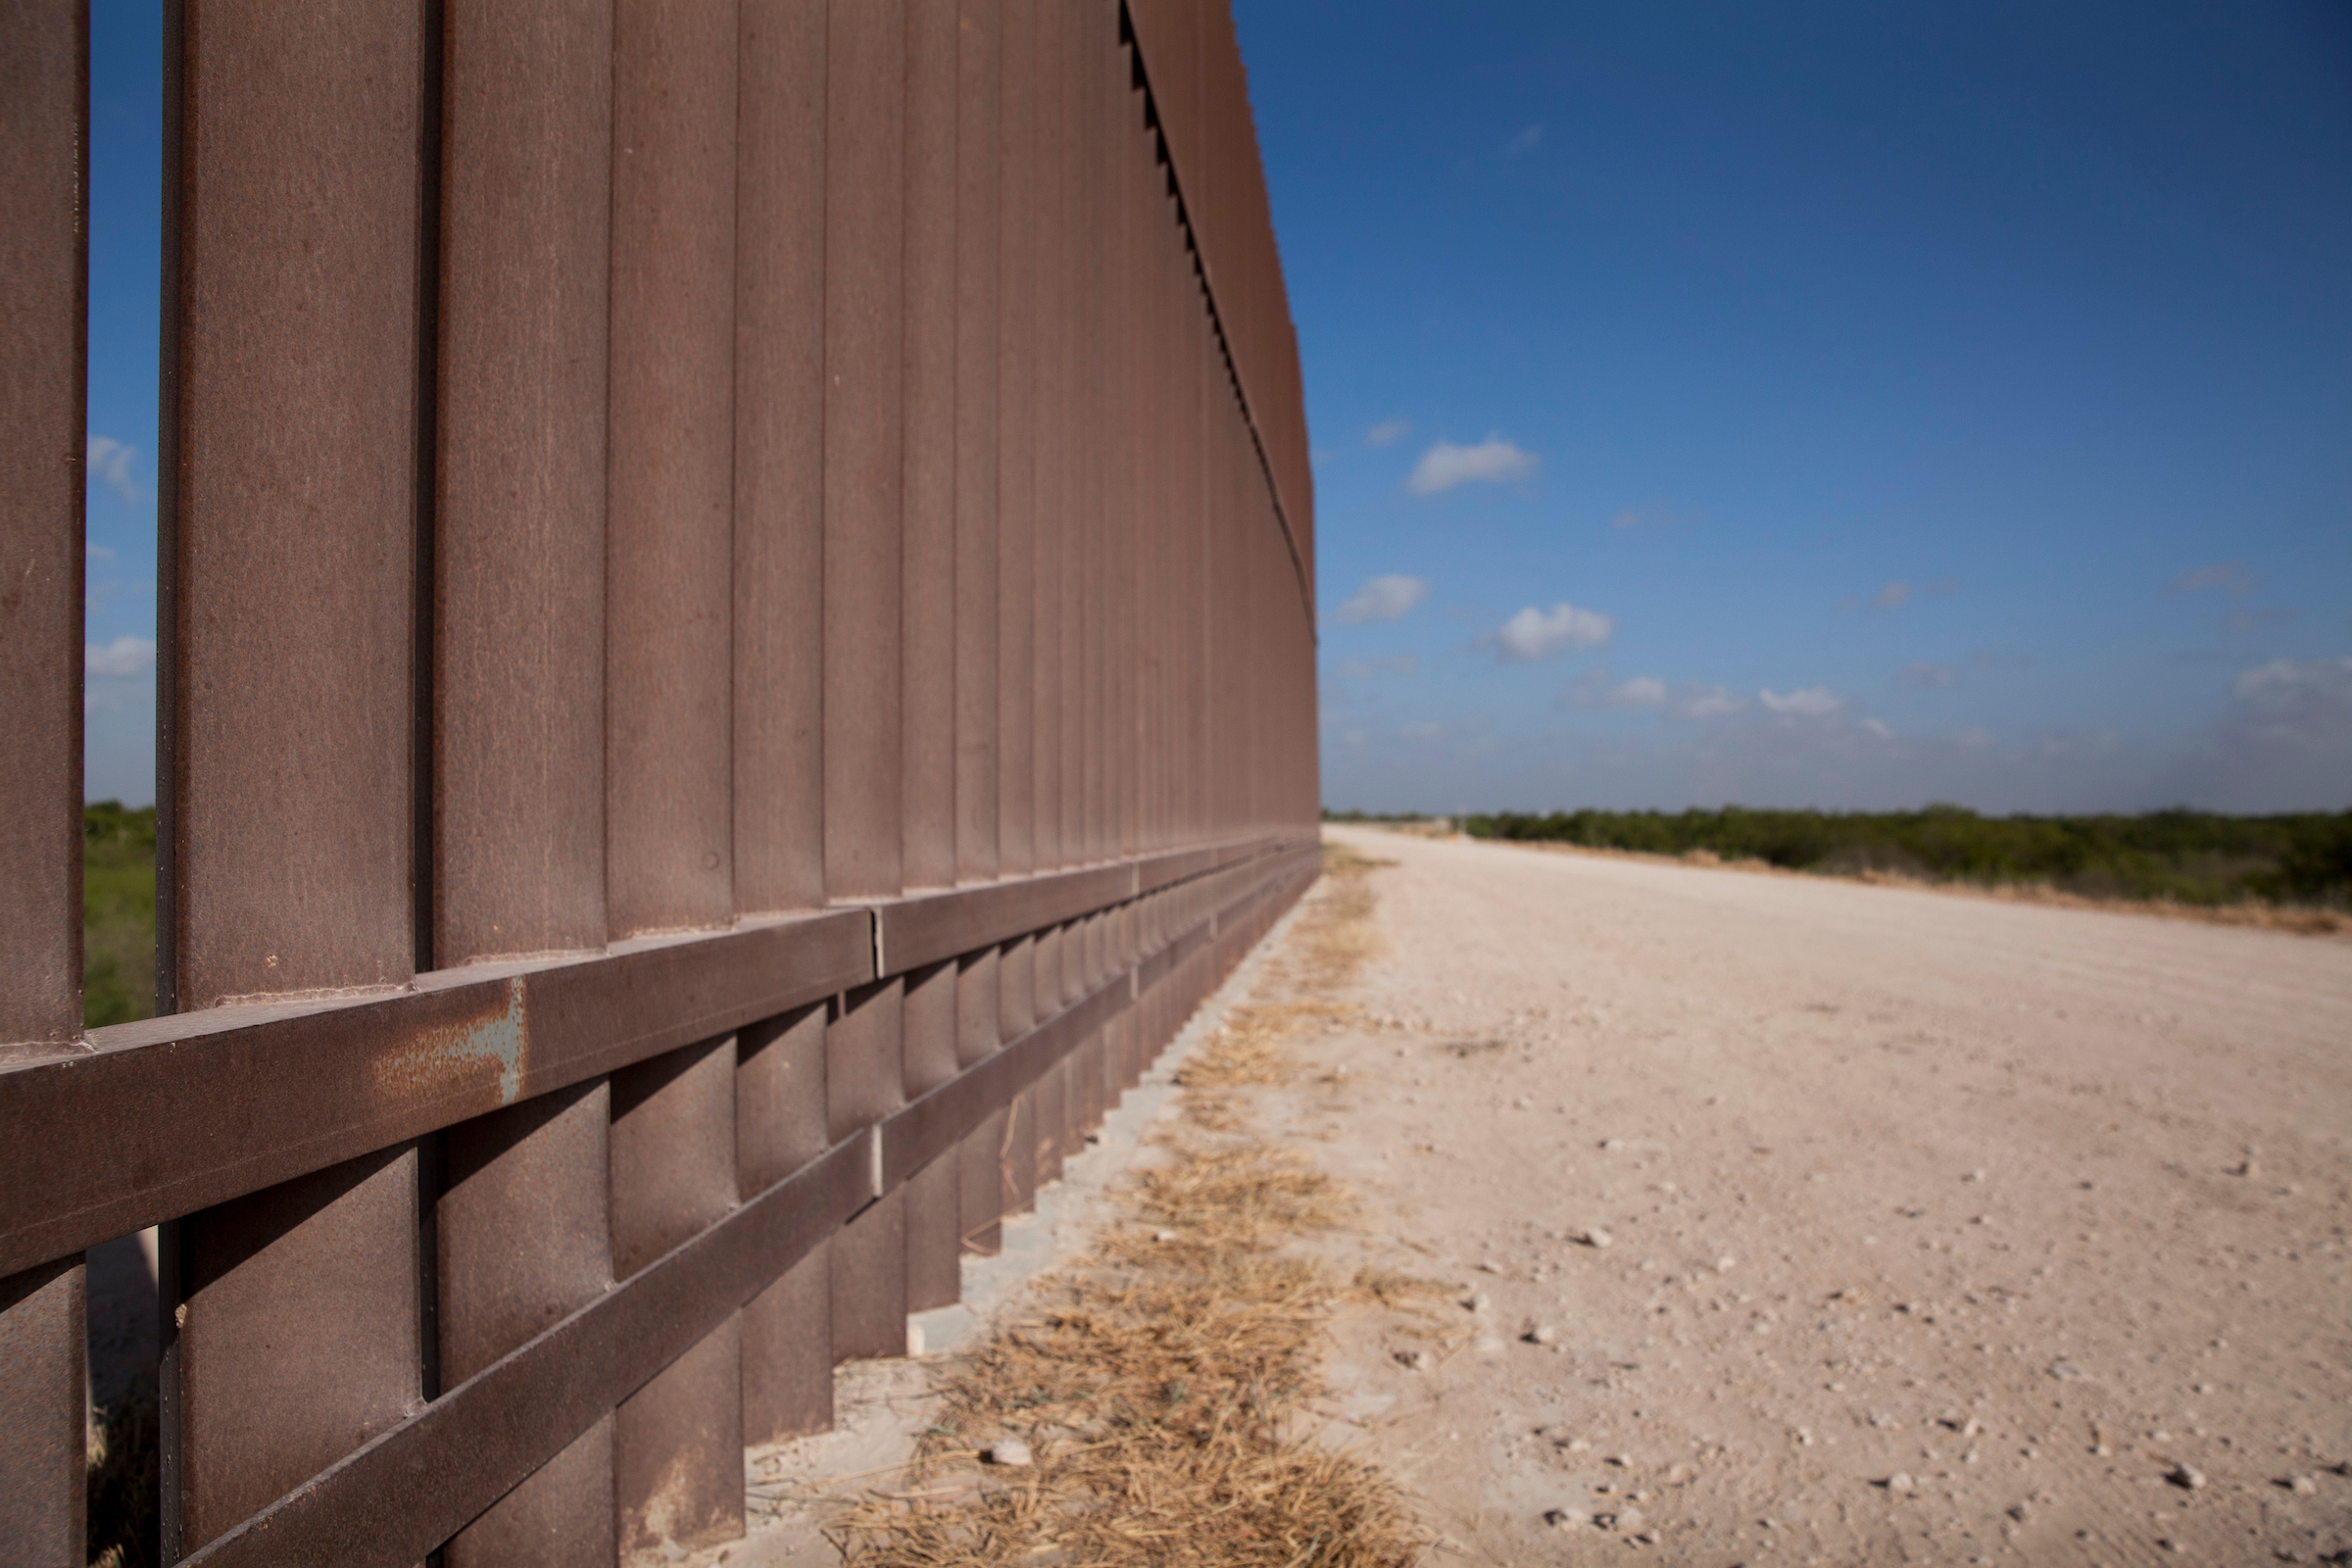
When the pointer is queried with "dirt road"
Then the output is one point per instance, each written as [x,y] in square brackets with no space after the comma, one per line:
[1790,1220]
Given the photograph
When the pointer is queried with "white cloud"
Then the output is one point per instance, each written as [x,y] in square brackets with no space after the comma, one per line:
[2234,577]
[1388,598]
[2286,688]
[1366,669]
[1695,701]
[1537,633]
[108,462]
[1812,702]
[1890,597]
[1492,461]
[98,552]
[1526,139]
[1878,728]
[1687,698]
[1928,678]
[124,658]
[1388,430]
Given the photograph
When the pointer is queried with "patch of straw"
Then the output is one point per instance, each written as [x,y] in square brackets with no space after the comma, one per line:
[1160,1387]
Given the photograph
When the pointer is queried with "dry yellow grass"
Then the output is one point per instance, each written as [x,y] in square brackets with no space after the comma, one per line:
[1160,1387]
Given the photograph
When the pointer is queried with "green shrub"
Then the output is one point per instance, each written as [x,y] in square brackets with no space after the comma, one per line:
[118,914]
[2193,857]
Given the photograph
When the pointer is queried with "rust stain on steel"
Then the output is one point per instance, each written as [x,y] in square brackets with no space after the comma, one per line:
[446,1058]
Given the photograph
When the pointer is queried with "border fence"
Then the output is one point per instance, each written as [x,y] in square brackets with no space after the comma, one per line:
[736,653]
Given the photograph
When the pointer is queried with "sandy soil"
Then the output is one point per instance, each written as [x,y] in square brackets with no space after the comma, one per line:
[1788,1220]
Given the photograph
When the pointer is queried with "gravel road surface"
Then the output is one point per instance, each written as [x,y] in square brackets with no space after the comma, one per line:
[1790,1220]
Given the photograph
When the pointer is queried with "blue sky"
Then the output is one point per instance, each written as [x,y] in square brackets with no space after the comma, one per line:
[1905,403]
[126,225]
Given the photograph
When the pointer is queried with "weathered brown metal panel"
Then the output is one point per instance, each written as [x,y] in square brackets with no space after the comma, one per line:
[933,1222]
[780,541]
[41,1389]
[44,218]
[673,1150]
[980,1184]
[927,605]
[865,57]
[296,1335]
[44,203]
[1016,420]
[560,1516]
[934,1234]
[788,1352]
[670,484]
[294,542]
[291,549]
[780,1126]
[677,1456]
[523,1224]
[869,1282]
[677,1467]
[524,1240]
[519,700]
[977,256]
[1050,265]
[864,1066]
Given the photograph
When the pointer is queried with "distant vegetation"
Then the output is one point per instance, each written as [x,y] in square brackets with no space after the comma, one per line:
[1330,815]
[118,914]
[2197,857]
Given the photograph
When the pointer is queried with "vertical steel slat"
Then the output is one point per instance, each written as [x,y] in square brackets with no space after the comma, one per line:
[523,1231]
[44,210]
[866,64]
[977,252]
[779,533]
[780,1126]
[521,1224]
[934,1272]
[290,557]
[1016,464]
[519,691]
[668,771]
[865,224]
[1093,252]
[297,1335]
[1071,430]
[42,1387]
[980,1183]
[677,1442]
[669,719]
[927,605]
[1050,304]
[44,199]
[865,1077]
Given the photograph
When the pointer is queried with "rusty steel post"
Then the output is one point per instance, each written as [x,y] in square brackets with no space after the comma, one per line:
[779,535]
[865,57]
[976,262]
[934,1276]
[865,1079]
[779,1127]
[524,1237]
[44,186]
[980,1184]
[288,545]
[518,816]
[928,598]
[678,1471]
[1016,464]
[670,499]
